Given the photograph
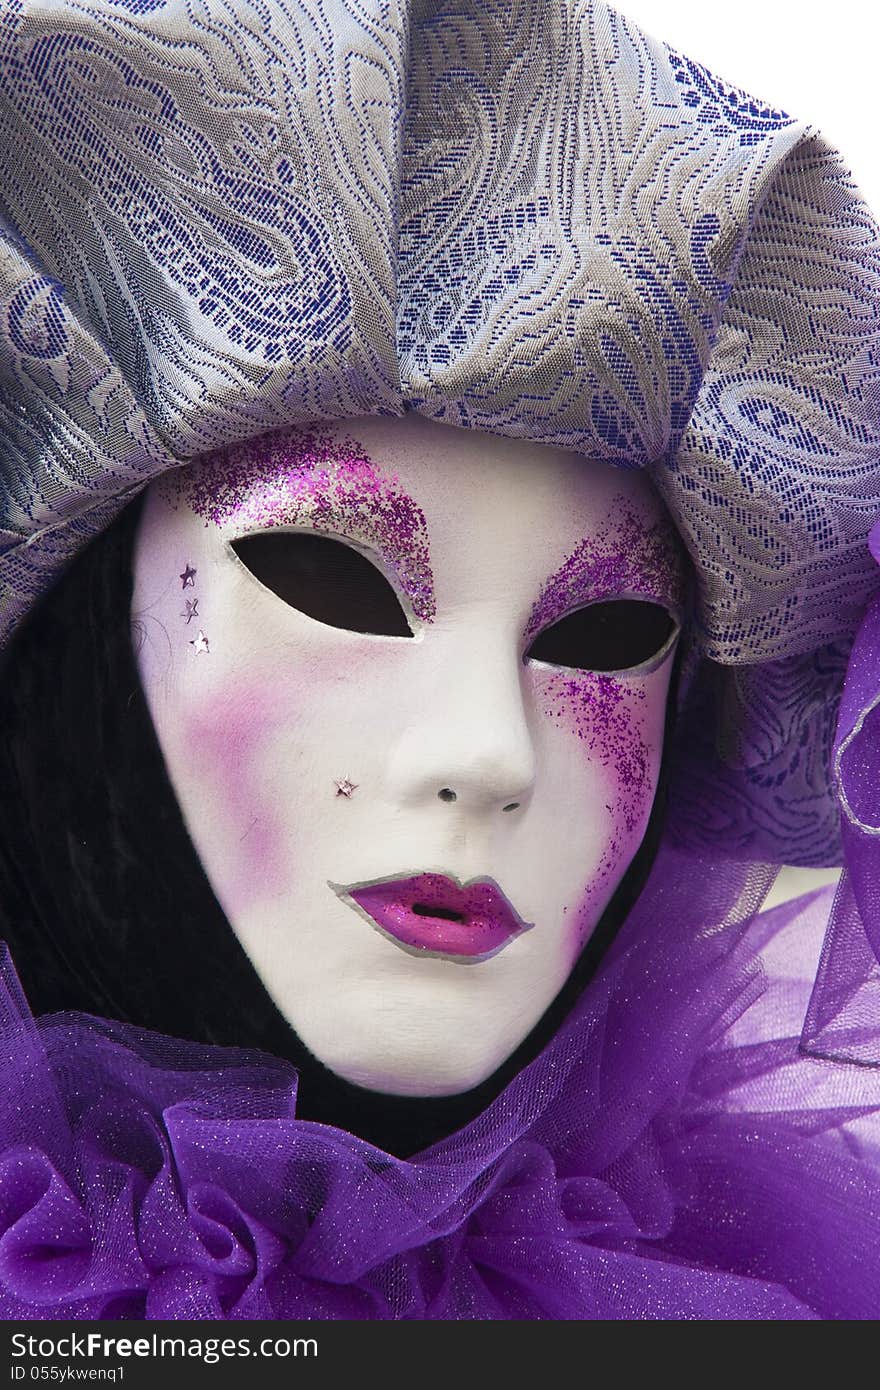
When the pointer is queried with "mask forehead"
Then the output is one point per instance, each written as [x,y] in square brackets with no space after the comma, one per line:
[503,515]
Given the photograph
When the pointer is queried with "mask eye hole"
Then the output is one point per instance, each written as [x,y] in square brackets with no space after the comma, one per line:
[615,635]
[325,579]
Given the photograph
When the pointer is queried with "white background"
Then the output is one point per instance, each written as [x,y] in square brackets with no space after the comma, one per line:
[820,62]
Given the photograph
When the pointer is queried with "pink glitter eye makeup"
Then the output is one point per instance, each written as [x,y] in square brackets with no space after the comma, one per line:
[311,480]
[614,605]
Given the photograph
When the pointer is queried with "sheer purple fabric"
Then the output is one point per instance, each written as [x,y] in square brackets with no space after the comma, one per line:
[844,1016]
[669,1155]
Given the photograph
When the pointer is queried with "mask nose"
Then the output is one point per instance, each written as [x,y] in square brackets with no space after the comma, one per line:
[470,746]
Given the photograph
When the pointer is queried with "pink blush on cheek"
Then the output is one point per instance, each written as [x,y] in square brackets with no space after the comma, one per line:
[607,716]
[226,739]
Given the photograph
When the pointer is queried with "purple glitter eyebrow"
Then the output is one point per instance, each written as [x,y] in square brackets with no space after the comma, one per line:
[311,478]
[630,557]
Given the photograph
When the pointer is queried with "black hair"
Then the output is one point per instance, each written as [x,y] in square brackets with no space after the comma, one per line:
[103,900]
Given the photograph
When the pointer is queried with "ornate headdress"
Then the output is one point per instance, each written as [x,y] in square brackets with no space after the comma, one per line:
[225,218]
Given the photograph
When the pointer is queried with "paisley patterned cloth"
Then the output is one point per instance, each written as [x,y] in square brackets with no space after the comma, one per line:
[522,216]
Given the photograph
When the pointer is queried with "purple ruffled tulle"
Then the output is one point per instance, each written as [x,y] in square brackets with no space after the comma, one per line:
[843,1020]
[669,1155]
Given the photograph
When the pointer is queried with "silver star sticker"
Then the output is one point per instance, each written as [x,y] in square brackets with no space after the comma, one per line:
[346,787]
[191,610]
[188,578]
[200,643]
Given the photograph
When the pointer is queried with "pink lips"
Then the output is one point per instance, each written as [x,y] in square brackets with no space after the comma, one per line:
[433,914]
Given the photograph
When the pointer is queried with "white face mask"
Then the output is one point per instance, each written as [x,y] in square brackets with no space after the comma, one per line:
[413,778]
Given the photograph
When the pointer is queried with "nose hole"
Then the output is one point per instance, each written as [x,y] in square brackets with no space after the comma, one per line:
[448,914]
[447,794]
[511,806]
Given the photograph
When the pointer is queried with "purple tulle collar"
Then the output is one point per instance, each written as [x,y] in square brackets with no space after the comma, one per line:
[632,1171]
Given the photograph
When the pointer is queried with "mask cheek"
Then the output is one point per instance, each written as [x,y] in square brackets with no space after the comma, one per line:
[220,766]
[616,727]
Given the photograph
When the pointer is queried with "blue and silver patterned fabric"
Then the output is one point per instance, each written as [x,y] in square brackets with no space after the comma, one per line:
[522,216]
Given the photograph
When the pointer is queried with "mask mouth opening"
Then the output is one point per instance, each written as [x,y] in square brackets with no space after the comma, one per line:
[446,914]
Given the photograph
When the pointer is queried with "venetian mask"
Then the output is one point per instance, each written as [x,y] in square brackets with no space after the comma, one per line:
[409,682]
